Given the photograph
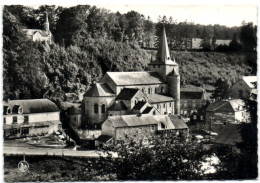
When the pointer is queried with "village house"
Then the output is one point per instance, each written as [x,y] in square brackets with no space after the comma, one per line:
[39,34]
[243,88]
[140,128]
[24,118]
[220,113]
[191,101]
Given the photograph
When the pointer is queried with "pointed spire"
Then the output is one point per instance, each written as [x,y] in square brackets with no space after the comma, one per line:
[46,20]
[46,23]
[163,53]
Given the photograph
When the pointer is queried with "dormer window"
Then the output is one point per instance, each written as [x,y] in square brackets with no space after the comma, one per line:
[9,110]
[20,110]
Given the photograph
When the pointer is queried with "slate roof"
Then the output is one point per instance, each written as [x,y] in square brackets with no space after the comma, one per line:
[230,134]
[34,105]
[192,95]
[158,98]
[74,110]
[127,94]
[143,120]
[147,110]
[118,106]
[225,106]
[139,105]
[31,32]
[178,122]
[99,90]
[104,138]
[135,78]
[250,80]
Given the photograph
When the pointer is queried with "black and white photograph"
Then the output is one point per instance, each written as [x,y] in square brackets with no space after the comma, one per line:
[129,92]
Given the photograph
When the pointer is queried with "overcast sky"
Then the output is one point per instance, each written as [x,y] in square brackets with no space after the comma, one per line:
[212,12]
[229,15]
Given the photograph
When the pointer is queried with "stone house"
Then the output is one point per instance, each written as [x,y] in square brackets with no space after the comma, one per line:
[243,88]
[23,118]
[220,113]
[191,101]
[141,128]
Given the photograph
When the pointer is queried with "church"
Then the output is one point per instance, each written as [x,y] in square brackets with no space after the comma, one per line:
[41,35]
[152,92]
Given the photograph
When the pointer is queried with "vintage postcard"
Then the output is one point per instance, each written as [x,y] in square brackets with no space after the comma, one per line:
[129,92]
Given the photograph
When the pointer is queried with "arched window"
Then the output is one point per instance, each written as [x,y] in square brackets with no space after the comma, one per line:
[149,90]
[95,108]
[162,89]
[155,90]
[103,108]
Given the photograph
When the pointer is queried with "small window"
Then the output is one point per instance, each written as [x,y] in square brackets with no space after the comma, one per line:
[201,117]
[103,108]
[143,90]
[163,105]
[4,121]
[139,130]
[165,113]
[153,66]
[154,112]
[13,131]
[26,119]
[155,90]
[25,131]
[96,108]
[158,106]
[170,104]
[75,118]
[161,89]
[152,128]
[15,119]
[149,90]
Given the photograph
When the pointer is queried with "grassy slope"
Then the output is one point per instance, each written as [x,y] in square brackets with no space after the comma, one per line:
[204,68]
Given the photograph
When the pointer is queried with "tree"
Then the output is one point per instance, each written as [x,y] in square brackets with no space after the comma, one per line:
[221,90]
[248,36]
[205,43]
[167,158]
[234,45]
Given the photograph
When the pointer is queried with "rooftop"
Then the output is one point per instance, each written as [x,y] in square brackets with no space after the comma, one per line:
[127,93]
[135,78]
[250,80]
[178,122]
[139,105]
[225,106]
[34,105]
[143,120]
[118,106]
[158,98]
[99,90]
[192,95]
[230,135]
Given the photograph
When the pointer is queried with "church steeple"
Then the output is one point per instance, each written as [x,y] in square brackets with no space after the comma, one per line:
[163,53]
[46,23]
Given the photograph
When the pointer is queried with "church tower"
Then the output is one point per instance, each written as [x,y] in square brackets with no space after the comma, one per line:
[46,23]
[168,69]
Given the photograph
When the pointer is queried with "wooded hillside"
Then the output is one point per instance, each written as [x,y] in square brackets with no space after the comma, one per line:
[89,42]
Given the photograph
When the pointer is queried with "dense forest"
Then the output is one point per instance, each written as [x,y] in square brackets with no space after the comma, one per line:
[90,41]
